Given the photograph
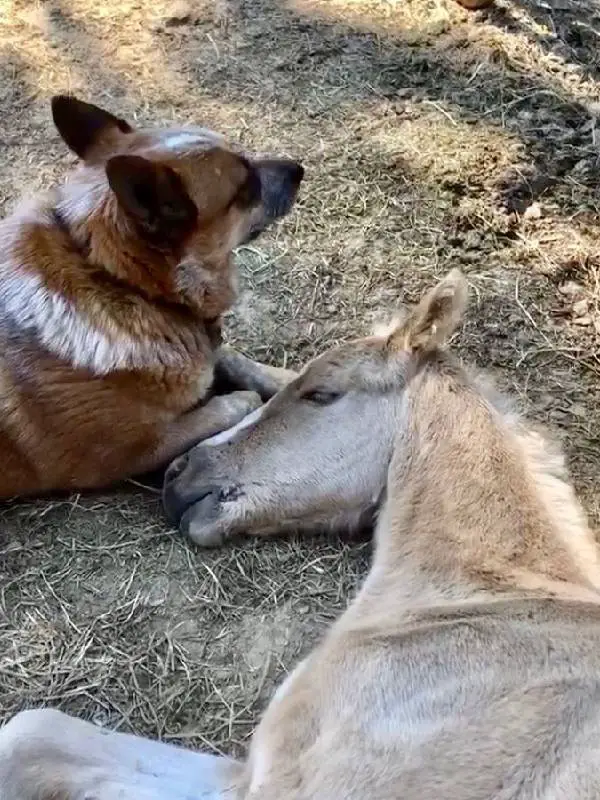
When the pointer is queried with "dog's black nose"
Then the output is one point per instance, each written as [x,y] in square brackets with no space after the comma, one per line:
[296,172]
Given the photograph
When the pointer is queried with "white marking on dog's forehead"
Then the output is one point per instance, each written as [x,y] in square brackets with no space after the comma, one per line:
[194,137]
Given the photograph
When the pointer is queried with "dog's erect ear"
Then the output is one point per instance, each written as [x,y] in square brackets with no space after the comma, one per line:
[154,196]
[433,321]
[84,126]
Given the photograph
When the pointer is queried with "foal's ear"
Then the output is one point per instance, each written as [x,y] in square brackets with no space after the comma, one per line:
[433,321]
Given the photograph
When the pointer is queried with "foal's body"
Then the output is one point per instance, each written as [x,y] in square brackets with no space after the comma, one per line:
[468,666]
[471,701]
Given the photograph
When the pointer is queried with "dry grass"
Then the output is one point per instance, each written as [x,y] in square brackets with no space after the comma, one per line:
[106,613]
[432,137]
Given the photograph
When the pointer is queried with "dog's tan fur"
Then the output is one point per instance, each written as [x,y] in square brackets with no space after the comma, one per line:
[468,666]
[111,291]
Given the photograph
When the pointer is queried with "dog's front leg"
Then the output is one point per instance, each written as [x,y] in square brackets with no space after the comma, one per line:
[236,371]
[219,414]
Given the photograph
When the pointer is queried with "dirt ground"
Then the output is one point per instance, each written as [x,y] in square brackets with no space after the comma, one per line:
[432,137]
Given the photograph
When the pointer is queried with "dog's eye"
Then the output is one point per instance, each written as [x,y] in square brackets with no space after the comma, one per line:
[321,397]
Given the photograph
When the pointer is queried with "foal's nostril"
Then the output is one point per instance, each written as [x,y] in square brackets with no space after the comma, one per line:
[176,467]
[177,499]
[188,480]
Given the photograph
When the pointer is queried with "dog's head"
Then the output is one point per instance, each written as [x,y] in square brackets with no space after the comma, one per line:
[182,192]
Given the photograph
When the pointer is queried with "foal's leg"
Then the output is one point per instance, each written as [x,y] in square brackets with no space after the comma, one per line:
[47,755]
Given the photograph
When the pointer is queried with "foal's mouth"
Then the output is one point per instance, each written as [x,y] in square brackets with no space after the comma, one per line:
[203,502]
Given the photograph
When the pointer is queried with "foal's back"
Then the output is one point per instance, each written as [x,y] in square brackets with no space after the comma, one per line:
[473,702]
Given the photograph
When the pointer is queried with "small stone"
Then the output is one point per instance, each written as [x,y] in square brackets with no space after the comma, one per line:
[583,321]
[534,211]
[580,308]
[570,289]
[178,14]
[577,410]
[438,26]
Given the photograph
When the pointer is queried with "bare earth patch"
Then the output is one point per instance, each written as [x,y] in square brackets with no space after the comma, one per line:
[432,137]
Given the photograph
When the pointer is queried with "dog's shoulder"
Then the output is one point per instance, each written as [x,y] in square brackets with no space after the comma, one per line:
[81,313]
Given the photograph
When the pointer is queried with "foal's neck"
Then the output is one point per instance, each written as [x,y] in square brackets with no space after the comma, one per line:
[478,508]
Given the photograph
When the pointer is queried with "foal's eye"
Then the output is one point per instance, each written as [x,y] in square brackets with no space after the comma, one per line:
[320,397]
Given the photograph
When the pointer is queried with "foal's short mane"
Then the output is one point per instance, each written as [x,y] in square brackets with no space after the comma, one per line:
[542,455]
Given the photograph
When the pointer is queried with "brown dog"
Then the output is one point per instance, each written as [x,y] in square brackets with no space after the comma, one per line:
[111,291]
